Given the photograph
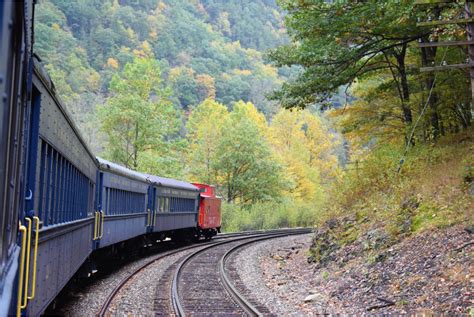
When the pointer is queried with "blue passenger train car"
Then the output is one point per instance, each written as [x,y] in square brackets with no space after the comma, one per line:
[122,203]
[61,180]
[174,206]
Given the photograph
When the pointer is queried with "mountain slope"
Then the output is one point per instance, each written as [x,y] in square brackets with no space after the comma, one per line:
[206,48]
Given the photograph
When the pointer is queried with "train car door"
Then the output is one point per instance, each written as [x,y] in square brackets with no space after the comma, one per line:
[151,209]
[99,213]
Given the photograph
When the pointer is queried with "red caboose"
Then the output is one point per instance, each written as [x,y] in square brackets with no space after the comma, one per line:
[209,217]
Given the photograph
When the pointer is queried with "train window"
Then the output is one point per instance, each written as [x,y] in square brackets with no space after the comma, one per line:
[91,202]
[112,201]
[108,201]
[121,202]
[61,186]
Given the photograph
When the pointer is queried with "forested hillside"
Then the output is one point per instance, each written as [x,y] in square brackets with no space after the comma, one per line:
[178,88]
[205,49]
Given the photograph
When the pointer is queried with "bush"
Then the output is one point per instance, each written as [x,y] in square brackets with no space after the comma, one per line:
[269,215]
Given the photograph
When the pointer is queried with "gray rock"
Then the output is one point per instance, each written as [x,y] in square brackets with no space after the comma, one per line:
[375,239]
[315,298]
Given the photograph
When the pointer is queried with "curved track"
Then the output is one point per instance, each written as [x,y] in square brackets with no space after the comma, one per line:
[110,298]
[201,284]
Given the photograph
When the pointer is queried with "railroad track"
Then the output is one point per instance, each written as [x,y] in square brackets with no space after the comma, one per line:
[202,285]
[110,298]
[180,276]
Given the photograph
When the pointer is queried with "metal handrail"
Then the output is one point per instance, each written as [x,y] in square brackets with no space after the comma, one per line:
[22,229]
[96,226]
[35,258]
[27,269]
[102,224]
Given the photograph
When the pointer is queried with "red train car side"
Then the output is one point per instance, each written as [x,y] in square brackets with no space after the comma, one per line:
[209,217]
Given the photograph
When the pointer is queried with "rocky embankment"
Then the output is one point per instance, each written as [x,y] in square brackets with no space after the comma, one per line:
[431,272]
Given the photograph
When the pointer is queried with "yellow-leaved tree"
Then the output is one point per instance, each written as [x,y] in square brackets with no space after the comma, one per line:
[204,132]
[320,143]
[248,110]
[304,147]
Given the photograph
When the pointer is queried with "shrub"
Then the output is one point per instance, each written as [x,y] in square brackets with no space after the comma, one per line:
[269,215]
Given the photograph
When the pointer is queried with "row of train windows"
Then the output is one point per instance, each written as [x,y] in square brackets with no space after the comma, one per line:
[65,193]
[120,202]
[174,204]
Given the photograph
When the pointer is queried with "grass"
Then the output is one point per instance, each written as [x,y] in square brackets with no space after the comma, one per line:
[432,190]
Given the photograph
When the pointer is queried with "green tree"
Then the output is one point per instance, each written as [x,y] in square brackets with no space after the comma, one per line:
[184,85]
[339,42]
[247,169]
[140,120]
[230,88]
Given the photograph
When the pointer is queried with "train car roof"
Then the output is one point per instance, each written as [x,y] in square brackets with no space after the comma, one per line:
[174,183]
[157,180]
[120,170]
[45,79]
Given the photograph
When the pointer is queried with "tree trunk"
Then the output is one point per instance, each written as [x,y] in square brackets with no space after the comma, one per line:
[428,55]
[405,91]
[135,150]
[208,166]
[229,190]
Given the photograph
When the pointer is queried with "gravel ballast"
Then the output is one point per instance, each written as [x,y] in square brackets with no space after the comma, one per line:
[135,298]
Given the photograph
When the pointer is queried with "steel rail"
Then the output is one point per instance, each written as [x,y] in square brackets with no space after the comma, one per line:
[227,281]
